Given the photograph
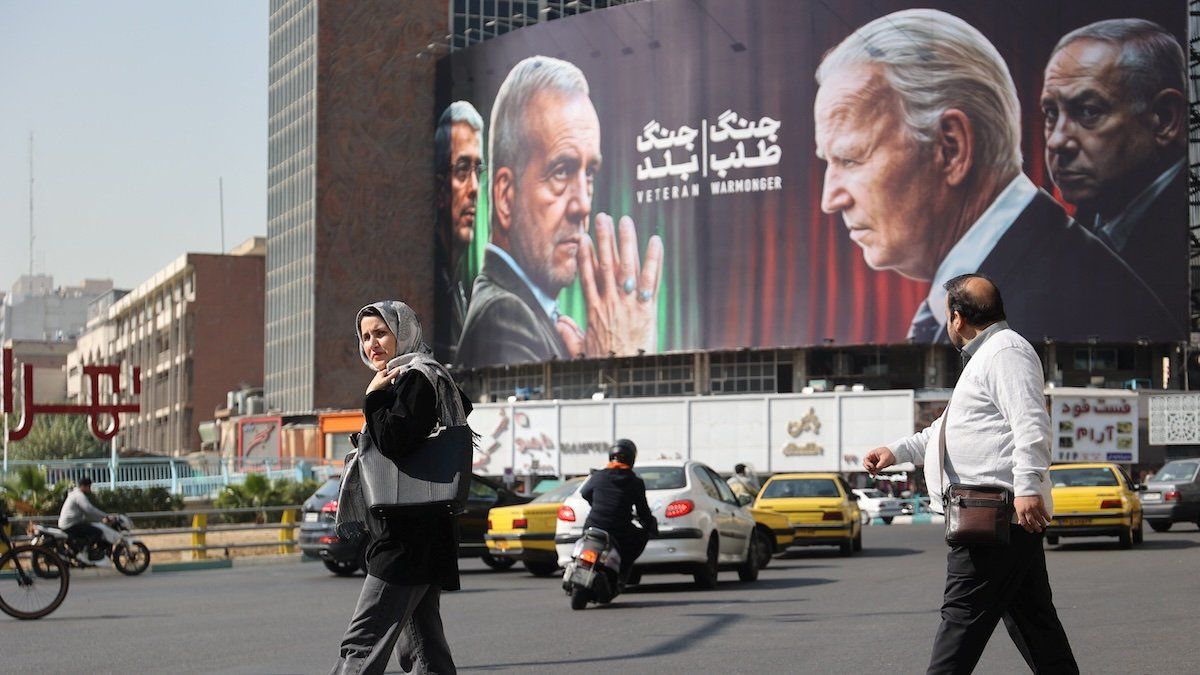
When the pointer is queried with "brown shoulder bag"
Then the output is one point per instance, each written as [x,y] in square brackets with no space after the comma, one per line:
[976,515]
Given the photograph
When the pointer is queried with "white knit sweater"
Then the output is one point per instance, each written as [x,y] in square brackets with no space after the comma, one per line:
[999,429]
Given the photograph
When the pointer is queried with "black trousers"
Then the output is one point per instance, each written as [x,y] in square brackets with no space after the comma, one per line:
[630,545]
[985,584]
[85,534]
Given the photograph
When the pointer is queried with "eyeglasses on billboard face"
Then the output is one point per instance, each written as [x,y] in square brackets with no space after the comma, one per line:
[463,168]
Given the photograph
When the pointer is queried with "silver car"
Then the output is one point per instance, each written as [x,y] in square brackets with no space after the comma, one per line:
[1173,495]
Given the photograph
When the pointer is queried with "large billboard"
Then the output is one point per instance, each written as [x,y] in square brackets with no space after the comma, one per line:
[687,175]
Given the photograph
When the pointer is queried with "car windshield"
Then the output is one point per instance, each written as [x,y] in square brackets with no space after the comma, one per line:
[1083,477]
[330,489]
[559,493]
[662,477]
[800,487]
[1177,472]
[871,494]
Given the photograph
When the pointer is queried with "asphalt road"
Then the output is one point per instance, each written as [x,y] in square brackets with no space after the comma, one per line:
[810,612]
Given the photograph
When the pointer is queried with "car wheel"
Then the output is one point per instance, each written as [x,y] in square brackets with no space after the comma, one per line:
[705,575]
[1138,535]
[1125,538]
[858,542]
[541,569]
[748,571]
[767,549]
[1052,539]
[1160,525]
[887,520]
[498,563]
[846,548]
[342,568]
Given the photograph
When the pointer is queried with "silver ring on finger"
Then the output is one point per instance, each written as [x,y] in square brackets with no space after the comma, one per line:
[644,296]
[629,285]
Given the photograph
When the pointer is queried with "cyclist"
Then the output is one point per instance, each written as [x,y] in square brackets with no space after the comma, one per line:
[76,519]
[614,493]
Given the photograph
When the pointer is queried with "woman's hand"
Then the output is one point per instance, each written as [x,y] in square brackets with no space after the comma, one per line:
[382,379]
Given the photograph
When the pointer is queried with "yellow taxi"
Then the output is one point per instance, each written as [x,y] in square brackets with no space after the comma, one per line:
[525,532]
[820,507]
[1094,500]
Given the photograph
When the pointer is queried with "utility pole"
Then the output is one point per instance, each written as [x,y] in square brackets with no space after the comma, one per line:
[31,207]
[221,189]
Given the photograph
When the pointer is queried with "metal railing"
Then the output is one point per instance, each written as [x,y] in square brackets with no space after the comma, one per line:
[200,529]
[182,477]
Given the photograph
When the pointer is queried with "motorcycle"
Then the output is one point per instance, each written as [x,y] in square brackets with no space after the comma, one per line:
[594,573]
[129,555]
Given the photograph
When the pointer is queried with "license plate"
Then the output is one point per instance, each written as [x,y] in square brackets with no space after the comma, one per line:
[312,517]
[1152,497]
[1073,521]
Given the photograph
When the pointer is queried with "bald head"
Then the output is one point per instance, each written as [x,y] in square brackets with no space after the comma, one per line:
[976,299]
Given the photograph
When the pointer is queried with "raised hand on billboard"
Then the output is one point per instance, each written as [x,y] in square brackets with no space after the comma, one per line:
[572,335]
[621,289]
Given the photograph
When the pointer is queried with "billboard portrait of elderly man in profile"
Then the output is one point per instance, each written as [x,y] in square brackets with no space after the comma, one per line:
[458,157]
[1116,142]
[544,142]
[918,121]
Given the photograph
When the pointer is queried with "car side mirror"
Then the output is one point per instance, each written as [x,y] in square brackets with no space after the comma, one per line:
[853,497]
[744,500]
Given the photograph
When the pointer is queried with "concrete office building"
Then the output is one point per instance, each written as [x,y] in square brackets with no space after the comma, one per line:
[195,329]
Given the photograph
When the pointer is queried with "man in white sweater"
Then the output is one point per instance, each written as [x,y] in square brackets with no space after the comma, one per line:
[77,516]
[997,433]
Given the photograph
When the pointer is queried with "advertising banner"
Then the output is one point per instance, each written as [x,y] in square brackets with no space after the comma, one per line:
[1092,425]
[717,174]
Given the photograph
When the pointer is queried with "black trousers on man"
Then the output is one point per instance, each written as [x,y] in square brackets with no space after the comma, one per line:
[85,535]
[630,545]
[985,584]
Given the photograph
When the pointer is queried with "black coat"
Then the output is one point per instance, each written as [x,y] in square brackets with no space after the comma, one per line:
[505,323]
[409,546]
[1059,281]
[1157,248]
[614,495]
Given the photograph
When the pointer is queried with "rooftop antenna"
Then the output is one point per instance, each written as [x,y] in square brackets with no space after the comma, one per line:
[221,190]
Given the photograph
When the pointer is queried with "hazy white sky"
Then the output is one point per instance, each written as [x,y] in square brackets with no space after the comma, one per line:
[137,107]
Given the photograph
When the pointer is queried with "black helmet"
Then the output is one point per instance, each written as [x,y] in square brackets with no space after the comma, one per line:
[623,451]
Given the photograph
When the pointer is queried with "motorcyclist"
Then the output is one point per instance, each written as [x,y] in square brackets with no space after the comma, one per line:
[76,519]
[614,493]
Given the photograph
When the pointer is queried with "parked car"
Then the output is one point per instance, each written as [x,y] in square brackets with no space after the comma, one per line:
[702,527]
[821,507]
[875,504]
[1173,495]
[1094,500]
[319,540]
[525,532]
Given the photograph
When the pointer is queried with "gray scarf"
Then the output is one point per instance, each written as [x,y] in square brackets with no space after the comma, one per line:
[411,350]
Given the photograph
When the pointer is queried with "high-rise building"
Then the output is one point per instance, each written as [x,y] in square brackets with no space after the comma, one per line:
[350,200]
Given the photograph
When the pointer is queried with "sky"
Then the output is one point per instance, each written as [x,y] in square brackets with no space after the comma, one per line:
[137,108]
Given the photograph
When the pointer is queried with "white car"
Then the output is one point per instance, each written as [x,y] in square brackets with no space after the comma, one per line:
[702,527]
[875,504]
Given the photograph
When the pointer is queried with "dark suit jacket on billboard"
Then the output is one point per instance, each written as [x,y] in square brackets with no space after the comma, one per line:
[505,323]
[1157,246]
[1060,281]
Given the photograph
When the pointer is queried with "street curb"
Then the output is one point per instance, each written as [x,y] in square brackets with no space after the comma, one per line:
[192,565]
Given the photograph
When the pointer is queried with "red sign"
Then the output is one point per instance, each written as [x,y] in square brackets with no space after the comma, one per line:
[93,410]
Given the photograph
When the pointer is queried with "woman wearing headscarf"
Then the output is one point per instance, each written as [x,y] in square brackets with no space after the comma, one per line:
[413,553]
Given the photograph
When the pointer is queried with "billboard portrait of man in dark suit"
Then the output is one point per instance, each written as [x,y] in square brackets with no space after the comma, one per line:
[1116,143]
[918,121]
[544,141]
[458,159]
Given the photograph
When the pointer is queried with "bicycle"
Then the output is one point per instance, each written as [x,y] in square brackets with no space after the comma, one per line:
[24,594]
